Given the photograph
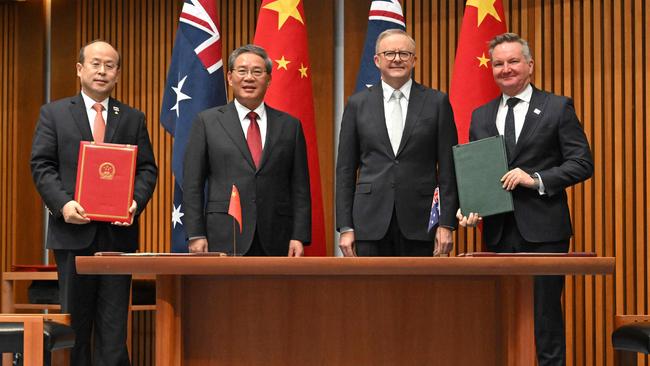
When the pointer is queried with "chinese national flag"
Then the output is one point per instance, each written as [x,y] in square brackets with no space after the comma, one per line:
[234,208]
[281,30]
[472,84]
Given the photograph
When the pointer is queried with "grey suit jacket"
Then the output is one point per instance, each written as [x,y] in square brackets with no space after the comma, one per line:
[275,198]
[371,180]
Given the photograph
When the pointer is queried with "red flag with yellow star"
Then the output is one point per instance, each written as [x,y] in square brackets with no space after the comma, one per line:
[234,207]
[472,84]
[281,30]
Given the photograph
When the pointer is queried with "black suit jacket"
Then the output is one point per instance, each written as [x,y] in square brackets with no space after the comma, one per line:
[55,148]
[371,180]
[551,143]
[275,198]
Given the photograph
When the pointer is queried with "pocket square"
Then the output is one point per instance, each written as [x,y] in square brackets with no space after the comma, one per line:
[537,111]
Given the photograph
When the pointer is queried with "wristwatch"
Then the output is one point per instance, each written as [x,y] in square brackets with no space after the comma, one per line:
[536,180]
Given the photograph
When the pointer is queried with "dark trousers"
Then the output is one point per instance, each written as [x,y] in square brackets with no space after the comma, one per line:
[98,306]
[549,318]
[256,249]
[394,244]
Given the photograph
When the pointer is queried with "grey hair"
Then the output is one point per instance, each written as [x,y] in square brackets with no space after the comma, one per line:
[250,48]
[509,38]
[391,32]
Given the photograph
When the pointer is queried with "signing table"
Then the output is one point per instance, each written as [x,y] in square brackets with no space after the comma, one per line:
[344,311]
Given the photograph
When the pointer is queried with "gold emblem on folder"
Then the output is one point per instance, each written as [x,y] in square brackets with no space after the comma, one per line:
[106,171]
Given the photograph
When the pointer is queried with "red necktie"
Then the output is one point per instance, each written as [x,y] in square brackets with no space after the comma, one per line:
[99,126]
[254,138]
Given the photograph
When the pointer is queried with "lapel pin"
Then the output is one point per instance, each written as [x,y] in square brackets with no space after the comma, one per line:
[116,109]
[537,111]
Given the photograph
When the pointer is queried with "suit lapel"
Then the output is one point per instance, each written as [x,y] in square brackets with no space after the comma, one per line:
[113,118]
[492,110]
[416,102]
[535,110]
[78,111]
[378,117]
[231,124]
[274,127]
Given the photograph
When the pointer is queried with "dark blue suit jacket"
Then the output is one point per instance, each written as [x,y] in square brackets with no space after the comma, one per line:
[551,143]
[371,179]
[55,149]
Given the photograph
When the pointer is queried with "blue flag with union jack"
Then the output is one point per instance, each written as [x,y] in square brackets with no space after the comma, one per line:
[383,15]
[434,216]
[195,82]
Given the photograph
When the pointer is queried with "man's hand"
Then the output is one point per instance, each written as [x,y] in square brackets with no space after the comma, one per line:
[444,242]
[73,213]
[295,248]
[346,243]
[516,177]
[471,220]
[198,245]
[132,209]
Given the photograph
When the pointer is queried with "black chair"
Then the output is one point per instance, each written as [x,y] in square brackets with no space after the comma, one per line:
[55,336]
[629,340]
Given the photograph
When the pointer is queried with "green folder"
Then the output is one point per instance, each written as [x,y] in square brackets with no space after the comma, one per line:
[479,168]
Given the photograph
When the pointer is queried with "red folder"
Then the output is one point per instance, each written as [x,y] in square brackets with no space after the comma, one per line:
[105,177]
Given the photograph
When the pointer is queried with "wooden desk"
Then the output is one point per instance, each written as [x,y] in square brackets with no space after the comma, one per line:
[344,311]
[9,305]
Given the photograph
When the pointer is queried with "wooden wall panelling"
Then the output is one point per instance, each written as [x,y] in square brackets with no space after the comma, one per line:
[8,25]
[29,66]
[22,94]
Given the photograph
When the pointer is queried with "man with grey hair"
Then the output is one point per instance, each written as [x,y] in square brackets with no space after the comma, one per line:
[394,149]
[261,151]
[547,152]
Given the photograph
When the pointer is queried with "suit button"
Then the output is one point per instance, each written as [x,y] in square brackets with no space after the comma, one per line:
[396,162]
[392,185]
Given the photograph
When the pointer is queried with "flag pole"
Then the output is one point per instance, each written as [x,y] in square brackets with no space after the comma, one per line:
[234,239]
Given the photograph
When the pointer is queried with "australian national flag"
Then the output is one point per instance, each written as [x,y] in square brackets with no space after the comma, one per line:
[195,82]
[434,217]
[384,14]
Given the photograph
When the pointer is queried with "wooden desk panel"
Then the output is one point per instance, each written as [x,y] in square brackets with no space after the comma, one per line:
[344,311]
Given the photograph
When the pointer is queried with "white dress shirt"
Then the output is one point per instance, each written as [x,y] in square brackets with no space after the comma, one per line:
[245,122]
[404,101]
[520,110]
[90,111]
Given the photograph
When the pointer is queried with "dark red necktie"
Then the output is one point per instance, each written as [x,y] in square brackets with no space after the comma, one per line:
[254,138]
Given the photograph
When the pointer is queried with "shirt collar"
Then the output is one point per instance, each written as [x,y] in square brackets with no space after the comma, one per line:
[90,102]
[388,90]
[525,95]
[242,111]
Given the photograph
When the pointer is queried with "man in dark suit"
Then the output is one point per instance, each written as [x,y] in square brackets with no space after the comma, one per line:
[394,149]
[99,302]
[262,152]
[547,152]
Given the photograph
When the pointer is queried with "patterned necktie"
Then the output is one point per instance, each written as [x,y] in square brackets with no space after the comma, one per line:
[99,126]
[509,129]
[254,138]
[395,122]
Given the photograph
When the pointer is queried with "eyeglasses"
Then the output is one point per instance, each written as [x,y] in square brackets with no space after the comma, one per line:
[96,65]
[256,73]
[403,55]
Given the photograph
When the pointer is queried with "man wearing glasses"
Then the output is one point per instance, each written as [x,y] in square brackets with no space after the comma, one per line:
[262,152]
[394,149]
